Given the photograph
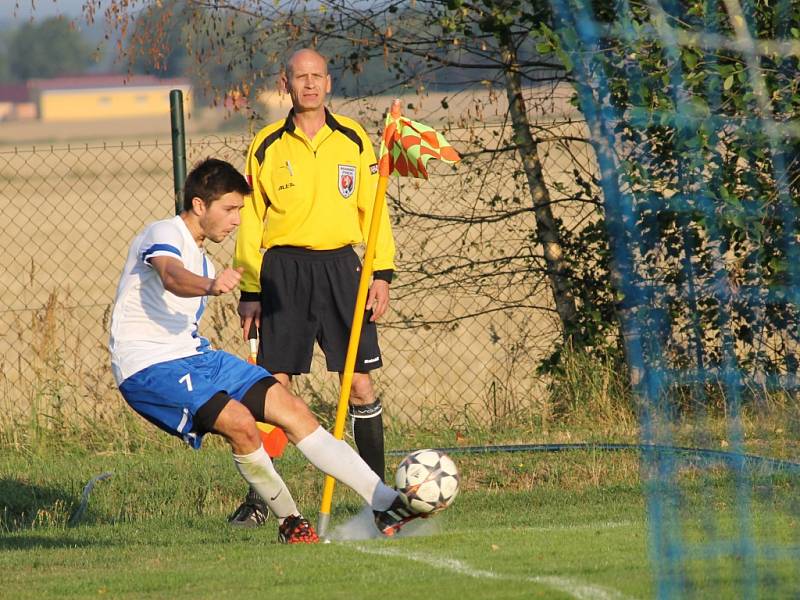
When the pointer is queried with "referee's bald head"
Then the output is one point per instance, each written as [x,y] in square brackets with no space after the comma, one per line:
[304,53]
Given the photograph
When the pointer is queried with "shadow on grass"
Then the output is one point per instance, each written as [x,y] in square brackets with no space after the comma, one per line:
[25,506]
[41,542]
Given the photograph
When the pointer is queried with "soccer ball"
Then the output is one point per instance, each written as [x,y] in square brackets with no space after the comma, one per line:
[427,481]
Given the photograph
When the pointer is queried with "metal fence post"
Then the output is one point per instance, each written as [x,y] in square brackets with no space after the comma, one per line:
[178,146]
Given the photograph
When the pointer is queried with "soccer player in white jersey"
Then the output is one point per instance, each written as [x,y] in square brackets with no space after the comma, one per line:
[171,376]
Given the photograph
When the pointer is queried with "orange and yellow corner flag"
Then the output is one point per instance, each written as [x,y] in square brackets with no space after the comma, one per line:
[273,438]
[407,146]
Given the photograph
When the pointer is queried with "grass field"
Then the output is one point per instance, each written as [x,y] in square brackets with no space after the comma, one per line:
[533,526]
[566,525]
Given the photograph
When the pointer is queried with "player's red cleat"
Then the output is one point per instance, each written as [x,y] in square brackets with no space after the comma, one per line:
[295,529]
[391,520]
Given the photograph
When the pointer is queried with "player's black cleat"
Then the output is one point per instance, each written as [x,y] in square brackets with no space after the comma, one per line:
[391,520]
[296,530]
[253,512]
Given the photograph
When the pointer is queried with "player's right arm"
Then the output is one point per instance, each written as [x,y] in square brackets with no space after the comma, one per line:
[182,282]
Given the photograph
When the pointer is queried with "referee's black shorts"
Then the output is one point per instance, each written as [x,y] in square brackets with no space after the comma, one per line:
[307,296]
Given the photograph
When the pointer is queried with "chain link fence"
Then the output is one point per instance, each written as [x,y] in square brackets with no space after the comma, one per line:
[471,313]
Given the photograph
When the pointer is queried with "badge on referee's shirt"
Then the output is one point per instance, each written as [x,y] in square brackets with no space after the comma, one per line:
[347,180]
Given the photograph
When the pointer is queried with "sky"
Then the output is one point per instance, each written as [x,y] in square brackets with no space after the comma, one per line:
[11,19]
[43,8]
[14,13]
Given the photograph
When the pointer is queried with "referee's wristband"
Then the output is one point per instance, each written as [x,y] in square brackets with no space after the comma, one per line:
[250,296]
[384,275]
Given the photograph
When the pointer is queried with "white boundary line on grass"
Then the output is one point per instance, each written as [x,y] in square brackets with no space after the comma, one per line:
[545,528]
[574,587]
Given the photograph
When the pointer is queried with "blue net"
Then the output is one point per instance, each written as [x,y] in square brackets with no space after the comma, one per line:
[693,113]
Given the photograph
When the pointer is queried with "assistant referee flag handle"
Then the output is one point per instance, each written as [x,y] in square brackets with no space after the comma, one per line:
[355,335]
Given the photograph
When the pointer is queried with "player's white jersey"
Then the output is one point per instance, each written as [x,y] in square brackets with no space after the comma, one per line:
[150,325]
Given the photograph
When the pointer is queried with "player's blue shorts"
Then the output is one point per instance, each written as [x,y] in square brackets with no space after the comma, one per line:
[169,394]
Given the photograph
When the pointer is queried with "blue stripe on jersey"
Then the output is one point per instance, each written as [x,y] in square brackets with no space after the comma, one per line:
[160,248]
[203,299]
[205,345]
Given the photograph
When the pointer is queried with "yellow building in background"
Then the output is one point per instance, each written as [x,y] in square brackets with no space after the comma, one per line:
[95,97]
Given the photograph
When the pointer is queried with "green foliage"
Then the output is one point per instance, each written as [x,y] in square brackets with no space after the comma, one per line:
[47,48]
[711,190]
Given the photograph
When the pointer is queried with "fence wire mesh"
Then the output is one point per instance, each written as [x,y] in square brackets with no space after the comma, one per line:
[471,313]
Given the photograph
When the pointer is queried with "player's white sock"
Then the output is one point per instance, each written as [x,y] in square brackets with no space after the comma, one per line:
[259,472]
[340,461]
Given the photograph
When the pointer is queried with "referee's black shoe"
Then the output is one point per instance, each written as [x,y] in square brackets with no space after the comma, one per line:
[253,512]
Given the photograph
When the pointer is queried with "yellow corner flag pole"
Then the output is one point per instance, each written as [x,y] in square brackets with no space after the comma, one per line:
[355,335]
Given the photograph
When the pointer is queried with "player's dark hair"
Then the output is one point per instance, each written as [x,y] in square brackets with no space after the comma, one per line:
[210,179]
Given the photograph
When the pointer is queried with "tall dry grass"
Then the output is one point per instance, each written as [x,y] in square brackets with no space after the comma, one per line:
[59,387]
[591,392]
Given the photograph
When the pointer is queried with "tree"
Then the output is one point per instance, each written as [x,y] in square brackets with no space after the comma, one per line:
[5,72]
[697,140]
[46,49]
[511,26]
[169,58]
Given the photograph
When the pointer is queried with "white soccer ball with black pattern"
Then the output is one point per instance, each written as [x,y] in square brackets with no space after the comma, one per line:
[427,480]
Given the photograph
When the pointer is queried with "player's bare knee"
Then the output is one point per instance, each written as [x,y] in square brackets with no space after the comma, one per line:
[244,439]
[237,425]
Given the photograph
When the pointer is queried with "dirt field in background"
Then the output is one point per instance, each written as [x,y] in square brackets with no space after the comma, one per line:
[458,108]
[73,211]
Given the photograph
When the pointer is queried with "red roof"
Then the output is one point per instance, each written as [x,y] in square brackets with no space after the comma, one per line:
[103,81]
[14,92]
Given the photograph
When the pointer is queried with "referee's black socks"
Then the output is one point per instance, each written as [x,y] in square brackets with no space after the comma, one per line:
[368,434]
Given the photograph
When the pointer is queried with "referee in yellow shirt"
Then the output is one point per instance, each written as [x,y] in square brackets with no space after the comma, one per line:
[314,176]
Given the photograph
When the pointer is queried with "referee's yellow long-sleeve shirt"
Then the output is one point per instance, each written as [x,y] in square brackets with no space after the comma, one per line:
[310,193]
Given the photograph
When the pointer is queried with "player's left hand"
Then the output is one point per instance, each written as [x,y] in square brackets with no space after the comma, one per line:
[378,298]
